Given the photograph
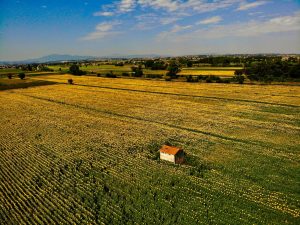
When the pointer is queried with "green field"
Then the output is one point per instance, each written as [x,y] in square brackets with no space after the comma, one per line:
[4,72]
[87,153]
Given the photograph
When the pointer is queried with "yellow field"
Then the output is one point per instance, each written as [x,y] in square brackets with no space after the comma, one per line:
[103,69]
[221,73]
[87,153]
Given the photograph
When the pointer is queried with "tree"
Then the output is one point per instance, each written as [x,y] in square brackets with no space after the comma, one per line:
[137,71]
[70,81]
[189,63]
[158,65]
[9,76]
[259,71]
[294,71]
[270,70]
[191,78]
[74,69]
[240,78]
[238,72]
[21,76]
[149,63]
[111,74]
[119,64]
[173,69]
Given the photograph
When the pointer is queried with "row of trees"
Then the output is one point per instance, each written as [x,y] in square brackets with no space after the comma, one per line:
[35,67]
[20,75]
[173,69]
[74,69]
[271,71]
[242,60]
[155,65]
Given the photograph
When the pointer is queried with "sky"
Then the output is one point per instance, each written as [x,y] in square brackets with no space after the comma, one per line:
[31,28]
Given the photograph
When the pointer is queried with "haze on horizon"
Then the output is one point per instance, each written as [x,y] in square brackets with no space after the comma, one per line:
[30,29]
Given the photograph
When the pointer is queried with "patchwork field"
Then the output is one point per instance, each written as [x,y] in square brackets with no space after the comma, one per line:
[87,153]
[103,69]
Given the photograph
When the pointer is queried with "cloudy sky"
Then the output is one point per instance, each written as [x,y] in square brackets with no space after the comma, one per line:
[31,28]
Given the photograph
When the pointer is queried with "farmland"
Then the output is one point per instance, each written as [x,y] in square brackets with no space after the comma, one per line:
[103,69]
[87,153]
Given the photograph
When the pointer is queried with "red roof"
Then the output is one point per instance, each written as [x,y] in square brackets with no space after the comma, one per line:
[171,150]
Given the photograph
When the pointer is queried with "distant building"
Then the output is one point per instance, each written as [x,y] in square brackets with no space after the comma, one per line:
[172,154]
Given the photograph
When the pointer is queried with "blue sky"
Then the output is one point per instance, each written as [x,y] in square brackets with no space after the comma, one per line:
[30,28]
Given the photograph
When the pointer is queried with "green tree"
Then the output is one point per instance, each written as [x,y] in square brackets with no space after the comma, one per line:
[137,71]
[189,63]
[149,63]
[240,78]
[21,76]
[173,69]
[158,65]
[74,69]
[111,74]
[294,71]
[239,72]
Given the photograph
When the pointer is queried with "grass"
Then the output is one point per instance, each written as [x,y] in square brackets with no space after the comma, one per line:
[4,72]
[86,153]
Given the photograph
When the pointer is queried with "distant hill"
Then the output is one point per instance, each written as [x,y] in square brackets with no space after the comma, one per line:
[51,58]
[118,56]
[60,58]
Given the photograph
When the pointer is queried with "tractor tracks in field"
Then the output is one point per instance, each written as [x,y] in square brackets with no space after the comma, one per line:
[193,130]
[187,95]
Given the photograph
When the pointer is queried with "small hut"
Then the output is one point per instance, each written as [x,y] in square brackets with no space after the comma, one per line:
[172,154]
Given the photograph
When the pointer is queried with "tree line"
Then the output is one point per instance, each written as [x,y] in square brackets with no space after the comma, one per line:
[268,71]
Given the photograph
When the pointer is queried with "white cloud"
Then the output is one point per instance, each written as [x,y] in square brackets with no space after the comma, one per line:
[170,5]
[211,20]
[181,7]
[103,14]
[103,30]
[254,13]
[176,29]
[208,6]
[168,20]
[123,6]
[245,6]
[152,20]
[198,6]
[252,28]
[126,5]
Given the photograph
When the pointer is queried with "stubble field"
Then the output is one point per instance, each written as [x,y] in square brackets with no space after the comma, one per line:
[87,153]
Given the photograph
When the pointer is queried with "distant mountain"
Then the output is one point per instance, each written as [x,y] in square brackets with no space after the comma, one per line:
[51,58]
[61,58]
[57,57]
[119,56]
